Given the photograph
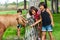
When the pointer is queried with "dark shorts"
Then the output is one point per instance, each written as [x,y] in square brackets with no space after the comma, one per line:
[19,26]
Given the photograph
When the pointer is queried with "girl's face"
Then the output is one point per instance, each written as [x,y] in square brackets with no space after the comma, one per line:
[33,12]
[41,7]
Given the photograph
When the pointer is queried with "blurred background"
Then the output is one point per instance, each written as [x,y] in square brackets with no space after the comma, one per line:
[23,4]
[12,4]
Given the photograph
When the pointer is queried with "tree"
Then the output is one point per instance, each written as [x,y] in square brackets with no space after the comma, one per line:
[24,4]
[17,4]
[46,2]
[52,6]
[6,4]
[34,3]
[56,6]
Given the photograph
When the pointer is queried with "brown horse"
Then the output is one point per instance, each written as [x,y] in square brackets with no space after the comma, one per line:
[10,20]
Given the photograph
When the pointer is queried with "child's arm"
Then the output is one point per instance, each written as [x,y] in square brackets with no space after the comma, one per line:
[25,20]
[17,20]
[37,22]
[52,23]
[20,20]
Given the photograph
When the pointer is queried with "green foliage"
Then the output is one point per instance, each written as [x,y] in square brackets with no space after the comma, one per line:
[19,4]
[56,18]
[22,3]
[13,3]
[41,0]
[11,31]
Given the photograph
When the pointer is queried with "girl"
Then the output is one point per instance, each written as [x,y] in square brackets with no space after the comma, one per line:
[47,21]
[36,15]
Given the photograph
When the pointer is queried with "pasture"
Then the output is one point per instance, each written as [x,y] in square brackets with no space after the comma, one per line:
[12,31]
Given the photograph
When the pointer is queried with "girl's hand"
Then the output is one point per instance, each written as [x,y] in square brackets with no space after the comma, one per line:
[52,23]
[32,25]
[26,21]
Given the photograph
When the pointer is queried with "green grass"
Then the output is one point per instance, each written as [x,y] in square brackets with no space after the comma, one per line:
[8,12]
[12,12]
[13,31]
[56,28]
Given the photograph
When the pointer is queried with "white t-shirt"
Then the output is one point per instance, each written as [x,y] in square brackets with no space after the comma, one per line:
[28,16]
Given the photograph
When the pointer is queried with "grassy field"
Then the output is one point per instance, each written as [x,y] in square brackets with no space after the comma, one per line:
[12,32]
